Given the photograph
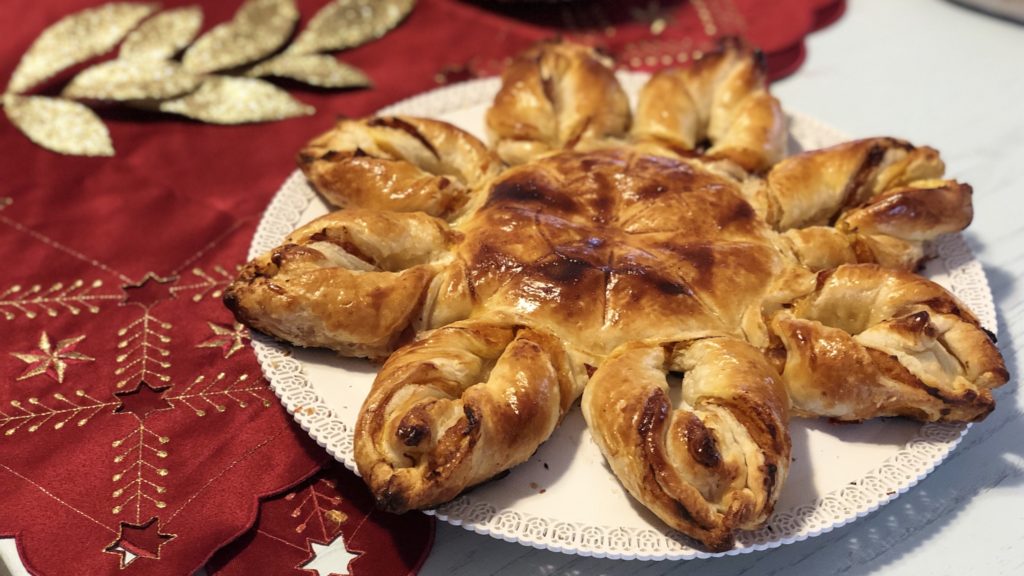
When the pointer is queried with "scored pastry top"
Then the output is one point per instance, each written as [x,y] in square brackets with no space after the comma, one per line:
[612,246]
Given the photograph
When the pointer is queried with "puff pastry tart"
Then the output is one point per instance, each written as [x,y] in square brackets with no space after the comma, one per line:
[608,258]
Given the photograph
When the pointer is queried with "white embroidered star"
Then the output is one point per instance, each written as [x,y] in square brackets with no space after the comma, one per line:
[52,360]
[329,559]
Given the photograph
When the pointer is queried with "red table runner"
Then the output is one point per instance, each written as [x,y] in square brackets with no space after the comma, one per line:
[136,432]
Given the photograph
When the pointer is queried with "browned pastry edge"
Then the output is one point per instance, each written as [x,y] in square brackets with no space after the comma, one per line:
[711,466]
[555,96]
[876,200]
[398,163]
[352,280]
[871,342]
[718,108]
[460,405]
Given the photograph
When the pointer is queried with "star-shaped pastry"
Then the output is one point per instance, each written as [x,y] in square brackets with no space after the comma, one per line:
[52,360]
[616,248]
[139,541]
[142,400]
[229,340]
[329,559]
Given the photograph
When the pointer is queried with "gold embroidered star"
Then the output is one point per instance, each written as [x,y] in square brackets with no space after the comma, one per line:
[52,360]
[229,340]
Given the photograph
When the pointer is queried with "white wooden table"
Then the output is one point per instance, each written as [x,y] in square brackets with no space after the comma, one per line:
[934,73]
[938,74]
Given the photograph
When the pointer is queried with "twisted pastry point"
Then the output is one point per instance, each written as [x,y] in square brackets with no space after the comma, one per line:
[719,106]
[461,405]
[398,163]
[553,97]
[876,200]
[871,342]
[353,281]
[710,466]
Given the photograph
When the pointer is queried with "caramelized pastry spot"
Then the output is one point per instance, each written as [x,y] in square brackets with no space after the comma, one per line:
[770,478]
[943,305]
[701,443]
[472,420]
[524,189]
[741,213]
[822,277]
[917,323]
[651,191]
[654,412]
[413,432]
[399,124]
[564,269]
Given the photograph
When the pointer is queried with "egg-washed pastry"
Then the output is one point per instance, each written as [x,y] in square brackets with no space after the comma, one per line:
[588,252]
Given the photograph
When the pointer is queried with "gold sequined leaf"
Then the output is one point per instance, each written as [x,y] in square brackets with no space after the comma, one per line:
[76,38]
[60,125]
[123,80]
[320,70]
[231,100]
[164,35]
[348,23]
[258,29]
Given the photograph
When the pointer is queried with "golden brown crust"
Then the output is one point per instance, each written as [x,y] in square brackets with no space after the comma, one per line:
[872,342]
[720,105]
[824,247]
[352,281]
[631,258]
[554,96]
[398,163]
[459,406]
[920,211]
[881,195]
[710,466]
[812,188]
[609,247]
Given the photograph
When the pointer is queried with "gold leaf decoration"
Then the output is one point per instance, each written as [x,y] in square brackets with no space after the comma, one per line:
[76,38]
[123,80]
[258,29]
[348,23]
[319,70]
[164,35]
[60,125]
[231,100]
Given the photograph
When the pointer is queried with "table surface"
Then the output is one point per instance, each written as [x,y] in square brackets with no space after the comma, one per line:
[934,73]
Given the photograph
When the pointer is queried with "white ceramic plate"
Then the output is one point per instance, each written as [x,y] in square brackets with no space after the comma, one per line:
[565,498]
